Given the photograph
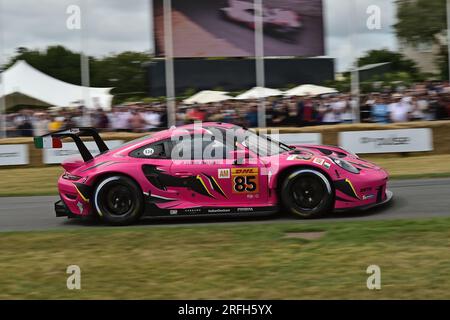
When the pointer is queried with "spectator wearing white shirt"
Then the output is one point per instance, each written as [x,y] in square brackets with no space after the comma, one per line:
[399,110]
[120,119]
[40,124]
[152,119]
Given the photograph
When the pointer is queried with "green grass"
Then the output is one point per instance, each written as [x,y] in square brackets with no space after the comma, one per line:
[42,181]
[29,181]
[234,261]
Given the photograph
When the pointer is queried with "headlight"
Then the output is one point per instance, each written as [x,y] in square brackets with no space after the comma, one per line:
[345,165]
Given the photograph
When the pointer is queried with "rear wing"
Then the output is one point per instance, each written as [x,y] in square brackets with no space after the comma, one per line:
[53,140]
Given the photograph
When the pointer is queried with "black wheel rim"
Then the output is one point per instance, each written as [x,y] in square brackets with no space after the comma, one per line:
[119,200]
[308,192]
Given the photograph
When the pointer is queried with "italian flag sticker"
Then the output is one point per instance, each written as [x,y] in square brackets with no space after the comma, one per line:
[47,142]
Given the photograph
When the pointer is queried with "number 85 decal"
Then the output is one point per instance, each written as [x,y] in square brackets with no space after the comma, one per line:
[245,183]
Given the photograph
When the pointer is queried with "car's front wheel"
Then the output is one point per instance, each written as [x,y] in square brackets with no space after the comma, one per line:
[307,193]
[118,200]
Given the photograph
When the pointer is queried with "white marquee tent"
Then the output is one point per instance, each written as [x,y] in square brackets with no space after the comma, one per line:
[309,89]
[208,96]
[259,93]
[23,82]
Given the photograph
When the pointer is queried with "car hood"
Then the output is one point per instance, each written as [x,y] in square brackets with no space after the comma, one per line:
[333,152]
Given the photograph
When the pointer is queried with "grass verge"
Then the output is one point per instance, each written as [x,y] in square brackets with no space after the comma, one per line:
[42,181]
[236,261]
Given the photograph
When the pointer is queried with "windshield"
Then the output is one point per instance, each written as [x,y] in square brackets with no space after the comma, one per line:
[262,145]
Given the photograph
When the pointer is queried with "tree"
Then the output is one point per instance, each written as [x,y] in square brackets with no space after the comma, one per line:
[124,71]
[56,61]
[422,21]
[398,62]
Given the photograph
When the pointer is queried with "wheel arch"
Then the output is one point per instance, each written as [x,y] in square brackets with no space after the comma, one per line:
[103,175]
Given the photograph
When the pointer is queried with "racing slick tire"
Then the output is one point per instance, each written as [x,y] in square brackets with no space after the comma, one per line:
[307,193]
[118,200]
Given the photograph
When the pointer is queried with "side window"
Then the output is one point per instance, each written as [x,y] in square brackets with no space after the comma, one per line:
[155,150]
[199,148]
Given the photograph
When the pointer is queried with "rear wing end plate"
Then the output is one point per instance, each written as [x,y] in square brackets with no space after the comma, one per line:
[53,140]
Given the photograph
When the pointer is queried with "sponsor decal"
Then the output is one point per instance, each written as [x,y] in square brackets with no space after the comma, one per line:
[148,152]
[365,189]
[223,173]
[244,209]
[368,196]
[327,165]
[245,180]
[298,157]
[80,207]
[219,210]
[173,211]
[318,161]
[244,171]
[193,210]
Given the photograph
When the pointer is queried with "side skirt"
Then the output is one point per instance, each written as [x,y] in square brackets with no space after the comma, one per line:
[152,210]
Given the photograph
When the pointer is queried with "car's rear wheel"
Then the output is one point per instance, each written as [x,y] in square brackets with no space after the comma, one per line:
[307,193]
[118,200]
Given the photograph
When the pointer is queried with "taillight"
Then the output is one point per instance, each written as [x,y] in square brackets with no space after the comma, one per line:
[71,177]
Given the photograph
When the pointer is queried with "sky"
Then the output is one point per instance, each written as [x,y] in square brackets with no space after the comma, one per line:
[120,25]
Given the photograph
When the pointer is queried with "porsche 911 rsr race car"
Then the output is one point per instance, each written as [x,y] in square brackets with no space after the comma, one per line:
[283,23]
[210,169]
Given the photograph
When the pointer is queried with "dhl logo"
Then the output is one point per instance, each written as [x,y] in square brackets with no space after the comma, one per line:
[244,171]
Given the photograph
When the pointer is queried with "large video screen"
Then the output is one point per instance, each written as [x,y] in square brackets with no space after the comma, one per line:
[225,28]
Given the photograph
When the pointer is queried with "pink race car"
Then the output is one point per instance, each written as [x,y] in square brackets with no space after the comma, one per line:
[210,169]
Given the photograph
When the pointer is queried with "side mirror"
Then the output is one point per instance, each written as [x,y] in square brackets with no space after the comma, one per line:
[239,157]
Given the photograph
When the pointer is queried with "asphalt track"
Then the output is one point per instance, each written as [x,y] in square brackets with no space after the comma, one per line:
[412,199]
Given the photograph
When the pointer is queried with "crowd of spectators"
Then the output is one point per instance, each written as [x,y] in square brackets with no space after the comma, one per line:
[420,102]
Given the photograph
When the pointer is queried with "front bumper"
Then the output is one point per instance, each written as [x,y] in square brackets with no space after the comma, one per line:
[61,210]
[388,198]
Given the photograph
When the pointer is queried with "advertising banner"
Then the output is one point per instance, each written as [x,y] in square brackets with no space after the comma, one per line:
[13,154]
[298,138]
[69,149]
[385,141]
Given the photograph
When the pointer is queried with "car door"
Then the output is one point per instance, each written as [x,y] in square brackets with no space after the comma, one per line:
[218,180]
[155,163]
